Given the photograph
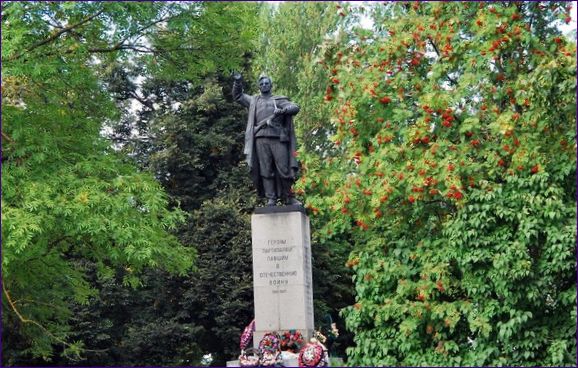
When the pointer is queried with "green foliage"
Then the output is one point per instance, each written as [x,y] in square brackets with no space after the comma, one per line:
[125,326]
[283,54]
[196,152]
[221,292]
[289,58]
[192,140]
[453,176]
[67,196]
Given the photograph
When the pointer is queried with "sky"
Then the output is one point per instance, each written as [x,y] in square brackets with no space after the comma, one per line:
[568,28]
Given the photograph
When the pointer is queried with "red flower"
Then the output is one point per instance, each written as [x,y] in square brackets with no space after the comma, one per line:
[440,286]
[417,189]
[385,100]
[535,169]
[362,225]
[411,199]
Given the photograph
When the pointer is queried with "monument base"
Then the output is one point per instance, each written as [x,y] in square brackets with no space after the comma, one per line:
[282,281]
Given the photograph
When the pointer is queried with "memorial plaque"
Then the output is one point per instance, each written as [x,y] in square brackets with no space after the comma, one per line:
[282,280]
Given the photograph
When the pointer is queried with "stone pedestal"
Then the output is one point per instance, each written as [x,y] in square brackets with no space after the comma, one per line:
[282,280]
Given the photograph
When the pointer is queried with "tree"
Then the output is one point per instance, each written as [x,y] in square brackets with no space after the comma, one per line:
[192,141]
[455,127]
[196,152]
[290,59]
[68,197]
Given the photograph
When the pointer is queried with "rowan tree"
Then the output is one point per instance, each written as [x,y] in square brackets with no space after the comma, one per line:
[453,175]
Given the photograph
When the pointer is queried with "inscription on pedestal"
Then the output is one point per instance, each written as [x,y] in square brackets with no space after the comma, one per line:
[282,273]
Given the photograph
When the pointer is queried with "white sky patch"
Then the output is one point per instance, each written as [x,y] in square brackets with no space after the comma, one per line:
[569,29]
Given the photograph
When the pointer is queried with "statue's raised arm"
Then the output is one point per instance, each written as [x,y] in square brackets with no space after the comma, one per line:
[238,95]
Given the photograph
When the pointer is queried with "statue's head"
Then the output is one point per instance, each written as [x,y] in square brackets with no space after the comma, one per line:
[265,84]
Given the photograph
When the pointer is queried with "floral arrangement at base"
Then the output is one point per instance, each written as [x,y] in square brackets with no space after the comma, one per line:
[270,343]
[271,359]
[314,354]
[270,349]
[269,352]
[292,340]
[320,337]
[247,335]
[249,358]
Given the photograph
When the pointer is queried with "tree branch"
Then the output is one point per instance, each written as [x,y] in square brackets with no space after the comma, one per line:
[439,56]
[120,45]
[7,137]
[435,47]
[55,35]
[142,100]
[44,329]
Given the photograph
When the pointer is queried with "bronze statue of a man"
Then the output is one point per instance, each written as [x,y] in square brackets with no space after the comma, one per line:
[270,142]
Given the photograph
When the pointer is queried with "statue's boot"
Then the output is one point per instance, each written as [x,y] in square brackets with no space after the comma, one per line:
[269,188]
[288,194]
[291,201]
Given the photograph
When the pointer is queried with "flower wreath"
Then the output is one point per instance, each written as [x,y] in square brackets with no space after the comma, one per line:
[249,358]
[269,343]
[292,339]
[269,359]
[247,335]
[312,355]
